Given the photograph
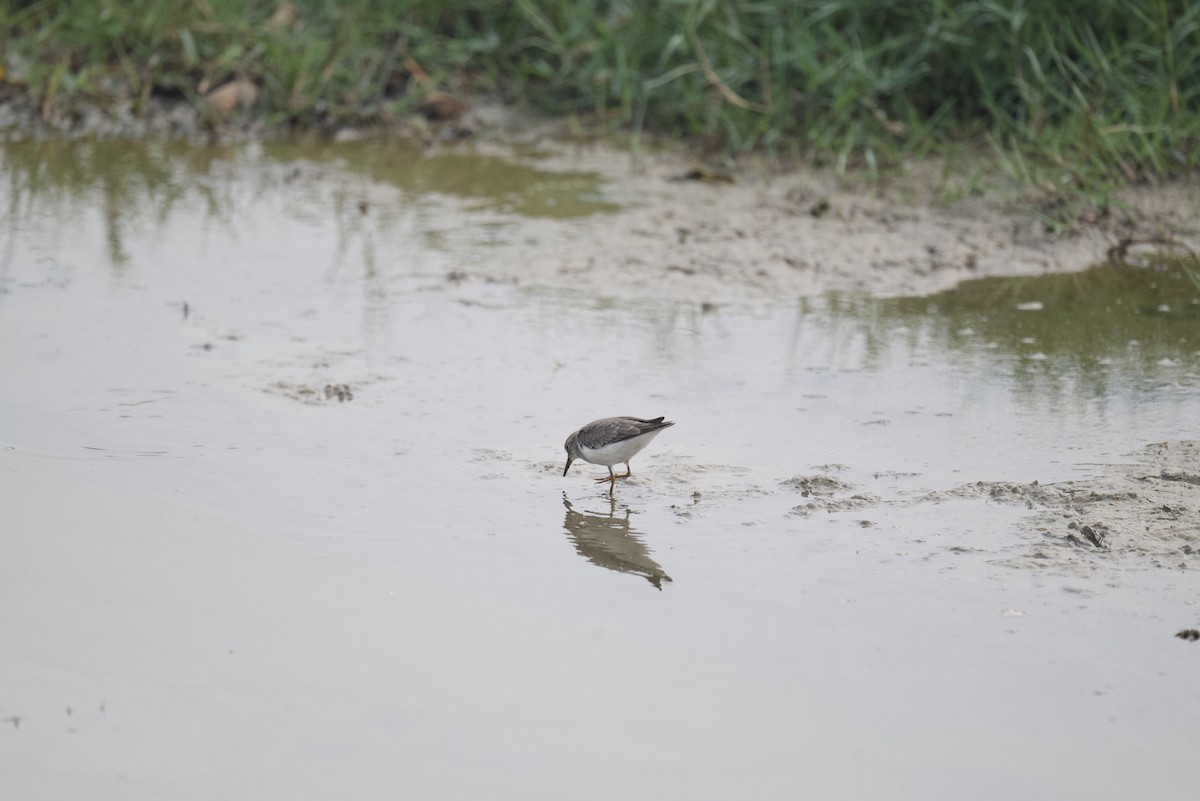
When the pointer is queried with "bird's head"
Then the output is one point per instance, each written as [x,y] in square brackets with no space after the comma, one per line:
[571,446]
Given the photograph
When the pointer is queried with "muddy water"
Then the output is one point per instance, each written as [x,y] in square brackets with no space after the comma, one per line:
[284,514]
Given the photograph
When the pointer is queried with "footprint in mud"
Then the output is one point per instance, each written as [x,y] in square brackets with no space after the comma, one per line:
[307,393]
[339,391]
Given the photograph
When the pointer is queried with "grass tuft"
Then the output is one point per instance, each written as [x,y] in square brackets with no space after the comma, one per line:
[1074,96]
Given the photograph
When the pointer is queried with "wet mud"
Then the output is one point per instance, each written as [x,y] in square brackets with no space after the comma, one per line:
[1140,514]
[1144,513]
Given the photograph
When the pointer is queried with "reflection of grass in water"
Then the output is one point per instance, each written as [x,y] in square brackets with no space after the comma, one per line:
[1106,332]
[1084,316]
[1110,325]
[1190,271]
[494,183]
[135,186]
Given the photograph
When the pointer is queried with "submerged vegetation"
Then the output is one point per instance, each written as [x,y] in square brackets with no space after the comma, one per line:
[1076,93]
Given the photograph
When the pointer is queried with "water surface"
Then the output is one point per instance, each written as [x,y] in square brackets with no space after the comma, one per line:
[220,578]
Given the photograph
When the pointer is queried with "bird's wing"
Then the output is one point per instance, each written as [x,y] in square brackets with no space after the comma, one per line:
[616,429]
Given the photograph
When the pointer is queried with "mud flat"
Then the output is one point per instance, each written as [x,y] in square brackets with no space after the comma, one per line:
[1145,513]
[768,234]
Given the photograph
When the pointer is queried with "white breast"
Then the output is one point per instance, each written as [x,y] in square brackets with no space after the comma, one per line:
[618,452]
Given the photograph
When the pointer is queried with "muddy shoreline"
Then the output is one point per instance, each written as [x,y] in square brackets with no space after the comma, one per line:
[804,232]
[762,231]
[679,235]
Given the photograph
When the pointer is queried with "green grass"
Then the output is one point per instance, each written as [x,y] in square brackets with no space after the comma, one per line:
[1075,97]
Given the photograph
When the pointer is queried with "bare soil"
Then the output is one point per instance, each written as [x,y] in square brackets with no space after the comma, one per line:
[803,234]
[689,233]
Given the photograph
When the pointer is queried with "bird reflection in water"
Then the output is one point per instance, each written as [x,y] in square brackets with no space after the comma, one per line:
[609,541]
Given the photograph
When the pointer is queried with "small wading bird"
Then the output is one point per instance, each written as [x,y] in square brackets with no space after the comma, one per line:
[613,440]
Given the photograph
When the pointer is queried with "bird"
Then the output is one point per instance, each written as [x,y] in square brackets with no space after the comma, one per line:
[612,440]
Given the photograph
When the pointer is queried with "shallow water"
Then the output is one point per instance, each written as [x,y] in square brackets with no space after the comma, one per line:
[220,578]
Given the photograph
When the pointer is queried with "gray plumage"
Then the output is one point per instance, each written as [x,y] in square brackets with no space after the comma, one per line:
[599,433]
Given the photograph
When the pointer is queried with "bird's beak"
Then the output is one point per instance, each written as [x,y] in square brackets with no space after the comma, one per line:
[568,467]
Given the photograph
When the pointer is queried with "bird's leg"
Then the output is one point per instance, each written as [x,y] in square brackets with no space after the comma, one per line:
[628,472]
[609,477]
